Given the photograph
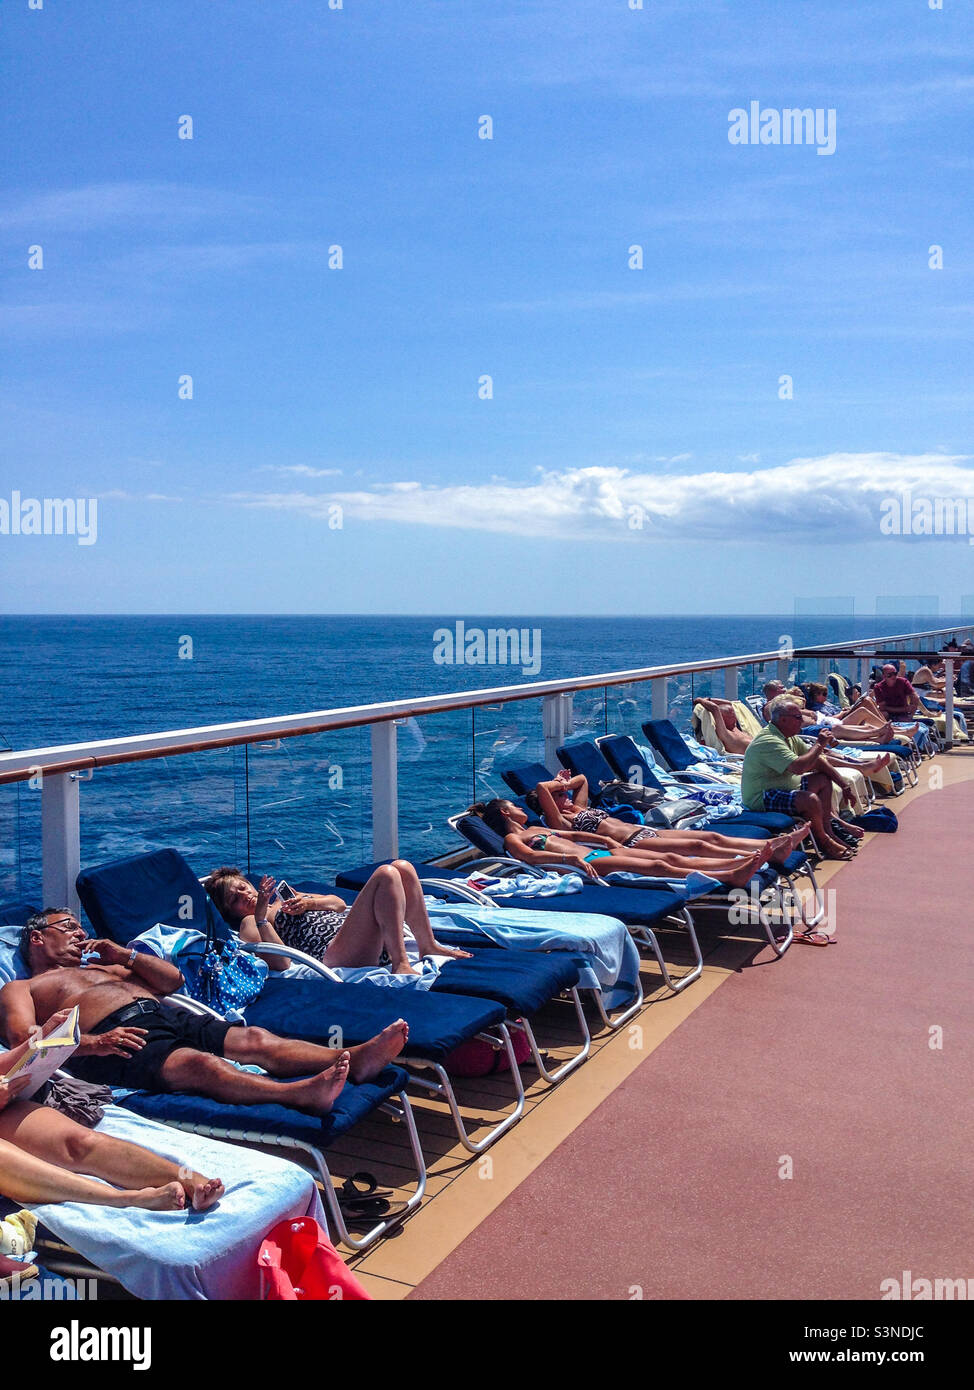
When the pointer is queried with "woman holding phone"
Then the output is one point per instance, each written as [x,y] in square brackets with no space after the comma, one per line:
[370,932]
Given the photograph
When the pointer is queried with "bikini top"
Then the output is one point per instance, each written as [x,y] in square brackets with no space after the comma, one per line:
[537,842]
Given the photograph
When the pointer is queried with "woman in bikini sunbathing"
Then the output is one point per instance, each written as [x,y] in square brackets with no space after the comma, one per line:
[596,855]
[563,804]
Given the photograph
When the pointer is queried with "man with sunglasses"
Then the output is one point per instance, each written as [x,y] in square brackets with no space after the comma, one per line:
[130,1038]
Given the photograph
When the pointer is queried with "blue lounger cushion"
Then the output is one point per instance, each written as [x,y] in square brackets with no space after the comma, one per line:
[311,1009]
[128,896]
[525,778]
[353,1104]
[523,981]
[650,905]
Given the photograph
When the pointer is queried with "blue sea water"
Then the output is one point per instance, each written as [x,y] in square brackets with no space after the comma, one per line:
[302,806]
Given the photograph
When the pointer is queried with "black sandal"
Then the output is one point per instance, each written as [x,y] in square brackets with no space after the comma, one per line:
[361,1195]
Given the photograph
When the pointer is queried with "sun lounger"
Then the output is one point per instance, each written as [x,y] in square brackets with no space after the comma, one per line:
[177,1255]
[129,896]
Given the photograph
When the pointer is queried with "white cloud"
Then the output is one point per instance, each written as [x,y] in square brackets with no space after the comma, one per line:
[300,470]
[829,499]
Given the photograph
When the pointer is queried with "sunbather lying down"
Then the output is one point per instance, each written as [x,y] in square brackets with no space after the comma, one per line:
[370,932]
[596,855]
[563,804]
[46,1157]
[130,1038]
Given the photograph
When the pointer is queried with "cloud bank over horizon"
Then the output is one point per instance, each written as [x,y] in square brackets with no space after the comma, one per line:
[835,498]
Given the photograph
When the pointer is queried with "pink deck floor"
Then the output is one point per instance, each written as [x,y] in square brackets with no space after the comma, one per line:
[823,1058]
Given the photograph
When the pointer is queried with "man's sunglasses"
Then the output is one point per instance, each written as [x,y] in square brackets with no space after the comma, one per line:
[62,928]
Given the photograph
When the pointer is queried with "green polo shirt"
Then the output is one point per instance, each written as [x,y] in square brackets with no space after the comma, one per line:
[766,763]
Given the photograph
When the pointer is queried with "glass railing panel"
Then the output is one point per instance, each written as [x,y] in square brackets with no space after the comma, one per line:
[505,735]
[193,803]
[20,877]
[436,779]
[589,712]
[628,707]
[309,804]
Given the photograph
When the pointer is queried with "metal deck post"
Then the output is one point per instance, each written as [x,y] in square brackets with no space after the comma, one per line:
[60,840]
[557,721]
[730,682]
[385,791]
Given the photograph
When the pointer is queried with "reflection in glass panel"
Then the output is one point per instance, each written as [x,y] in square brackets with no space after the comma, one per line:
[12,884]
[589,713]
[505,735]
[310,804]
[628,707]
[192,803]
[435,780]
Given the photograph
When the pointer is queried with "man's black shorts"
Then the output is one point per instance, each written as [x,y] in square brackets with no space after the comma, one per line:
[166,1030]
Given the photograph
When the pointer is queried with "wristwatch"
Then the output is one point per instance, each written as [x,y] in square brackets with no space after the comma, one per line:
[132,955]
[263,922]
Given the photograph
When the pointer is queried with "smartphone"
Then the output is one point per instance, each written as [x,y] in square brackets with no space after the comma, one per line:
[285,891]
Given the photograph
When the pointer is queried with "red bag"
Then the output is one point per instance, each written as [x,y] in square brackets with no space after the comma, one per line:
[298,1263]
[477,1058]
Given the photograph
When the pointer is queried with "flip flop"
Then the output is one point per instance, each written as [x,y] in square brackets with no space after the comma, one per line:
[815,938]
[361,1195]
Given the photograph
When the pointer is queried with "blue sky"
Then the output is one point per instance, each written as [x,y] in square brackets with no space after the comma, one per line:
[613,389]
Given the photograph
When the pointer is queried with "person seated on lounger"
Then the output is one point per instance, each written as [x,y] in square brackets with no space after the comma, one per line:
[130,1038]
[895,695]
[563,804]
[931,679]
[844,733]
[782,773]
[596,855]
[370,932]
[47,1157]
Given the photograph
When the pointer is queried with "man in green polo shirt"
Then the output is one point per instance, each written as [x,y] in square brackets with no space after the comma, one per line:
[782,773]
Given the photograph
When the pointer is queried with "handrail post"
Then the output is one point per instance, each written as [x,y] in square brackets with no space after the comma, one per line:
[660,697]
[949,703]
[557,723]
[60,840]
[385,791]
[730,682]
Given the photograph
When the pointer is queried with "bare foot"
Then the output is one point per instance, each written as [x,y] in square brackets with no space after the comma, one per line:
[402,967]
[168,1198]
[739,877]
[319,1093]
[453,952]
[202,1192]
[368,1059]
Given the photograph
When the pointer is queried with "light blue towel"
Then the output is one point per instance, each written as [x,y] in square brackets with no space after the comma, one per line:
[607,954]
[187,1254]
[526,885]
[171,942]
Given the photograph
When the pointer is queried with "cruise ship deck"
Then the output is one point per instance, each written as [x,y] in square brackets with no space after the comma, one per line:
[787,1129]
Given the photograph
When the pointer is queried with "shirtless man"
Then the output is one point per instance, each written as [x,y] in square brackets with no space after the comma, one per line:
[130,1038]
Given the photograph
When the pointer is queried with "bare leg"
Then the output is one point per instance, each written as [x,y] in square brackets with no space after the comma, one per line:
[200,1073]
[816,804]
[31,1181]
[55,1139]
[667,866]
[418,918]
[287,1057]
[375,921]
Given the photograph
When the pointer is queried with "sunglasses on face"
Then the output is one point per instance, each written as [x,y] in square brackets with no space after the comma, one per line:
[66,926]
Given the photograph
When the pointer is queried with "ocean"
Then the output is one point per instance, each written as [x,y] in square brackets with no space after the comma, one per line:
[302,807]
